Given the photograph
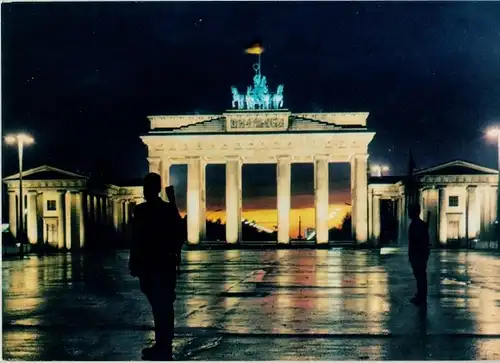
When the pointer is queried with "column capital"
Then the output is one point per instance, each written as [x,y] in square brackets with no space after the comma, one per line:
[284,158]
[321,157]
[471,187]
[232,158]
[154,160]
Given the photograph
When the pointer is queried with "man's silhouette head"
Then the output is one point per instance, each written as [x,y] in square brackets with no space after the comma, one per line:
[414,211]
[151,186]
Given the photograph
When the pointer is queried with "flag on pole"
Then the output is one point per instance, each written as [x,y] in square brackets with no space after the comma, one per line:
[256,48]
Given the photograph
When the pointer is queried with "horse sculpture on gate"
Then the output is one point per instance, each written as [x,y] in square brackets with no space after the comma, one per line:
[278,97]
[238,99]
[249,98]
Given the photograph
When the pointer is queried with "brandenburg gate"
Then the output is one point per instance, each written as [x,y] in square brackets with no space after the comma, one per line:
[258,130]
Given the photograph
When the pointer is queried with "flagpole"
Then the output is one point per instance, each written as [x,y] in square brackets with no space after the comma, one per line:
[259,63]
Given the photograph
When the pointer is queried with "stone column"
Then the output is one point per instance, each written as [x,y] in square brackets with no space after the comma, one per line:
[403,231]
[421,197]
[353,197]
[121,214]
[193,200]
[13,213]
[81,217]
[165,176]
[126,208]
[443,228]
[370,215]
[110,211]
[361,198]
[203,201]
[376,218]
[39,219]
[321,196]
[233,200]
[283,176]
[116,214]
[61,220]
[400,230]
[493,207]
[462,202]
[95,215]
[68,210]
[32,227]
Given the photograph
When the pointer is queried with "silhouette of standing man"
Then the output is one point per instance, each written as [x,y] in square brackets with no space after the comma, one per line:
[418,253]
[154,259]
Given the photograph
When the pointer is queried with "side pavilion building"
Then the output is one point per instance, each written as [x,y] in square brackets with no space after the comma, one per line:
[458,200]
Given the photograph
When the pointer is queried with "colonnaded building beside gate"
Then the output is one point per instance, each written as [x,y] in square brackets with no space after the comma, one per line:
[66,210]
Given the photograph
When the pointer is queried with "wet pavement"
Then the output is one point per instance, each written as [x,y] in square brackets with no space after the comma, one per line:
[257,305]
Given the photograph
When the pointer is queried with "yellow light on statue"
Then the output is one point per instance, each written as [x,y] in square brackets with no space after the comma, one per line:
[22,138]
[10,139]
[26,139]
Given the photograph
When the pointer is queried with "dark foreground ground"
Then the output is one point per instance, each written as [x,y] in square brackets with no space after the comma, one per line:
[257,305]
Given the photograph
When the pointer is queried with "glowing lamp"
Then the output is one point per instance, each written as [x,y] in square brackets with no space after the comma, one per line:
[379,169]
[493,132]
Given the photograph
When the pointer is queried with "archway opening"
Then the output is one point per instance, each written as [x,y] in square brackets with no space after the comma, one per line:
[259,214]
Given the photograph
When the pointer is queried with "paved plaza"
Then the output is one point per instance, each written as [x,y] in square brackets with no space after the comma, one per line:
[257,305]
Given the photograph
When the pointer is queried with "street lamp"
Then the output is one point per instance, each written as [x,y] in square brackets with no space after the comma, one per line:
[379,169]
[21,140]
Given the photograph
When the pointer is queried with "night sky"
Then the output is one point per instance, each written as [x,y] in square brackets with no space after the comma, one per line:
[82,77]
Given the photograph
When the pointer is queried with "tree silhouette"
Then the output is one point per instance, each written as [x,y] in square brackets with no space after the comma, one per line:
[344,233]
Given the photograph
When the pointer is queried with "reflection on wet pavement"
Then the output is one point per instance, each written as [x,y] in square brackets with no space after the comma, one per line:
[257,305]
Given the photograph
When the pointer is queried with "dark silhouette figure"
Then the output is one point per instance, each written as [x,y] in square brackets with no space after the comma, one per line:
[155,258]
[418,253]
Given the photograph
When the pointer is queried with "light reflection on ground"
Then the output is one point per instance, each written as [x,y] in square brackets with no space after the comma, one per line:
[257,305]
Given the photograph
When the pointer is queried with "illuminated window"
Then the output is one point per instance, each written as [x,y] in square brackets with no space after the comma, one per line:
[453,201]
[51,205]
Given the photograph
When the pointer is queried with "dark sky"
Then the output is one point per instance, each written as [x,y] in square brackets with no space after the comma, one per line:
[82,77]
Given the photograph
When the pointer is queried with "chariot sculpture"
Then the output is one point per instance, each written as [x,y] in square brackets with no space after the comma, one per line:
[258,96]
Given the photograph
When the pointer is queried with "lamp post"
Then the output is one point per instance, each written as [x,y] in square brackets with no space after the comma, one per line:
[494,133]
[379,169]
[21,140]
